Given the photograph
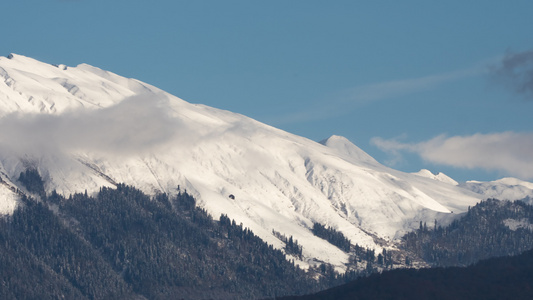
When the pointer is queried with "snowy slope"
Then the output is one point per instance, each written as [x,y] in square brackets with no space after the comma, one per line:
[34,87]
[503,189]
[8,197]
[83,128]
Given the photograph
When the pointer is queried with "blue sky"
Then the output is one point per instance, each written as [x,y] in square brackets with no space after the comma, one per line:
[446,85]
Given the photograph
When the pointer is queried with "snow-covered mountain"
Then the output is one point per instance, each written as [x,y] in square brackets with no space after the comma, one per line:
[84,128]
[503,189]
[439,176]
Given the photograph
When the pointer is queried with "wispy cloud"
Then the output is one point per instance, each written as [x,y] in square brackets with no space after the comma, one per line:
[349,99]
[508,152]
[389,89]
[515,70]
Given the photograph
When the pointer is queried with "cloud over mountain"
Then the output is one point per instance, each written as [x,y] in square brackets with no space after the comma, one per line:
[507,152]
[134,125]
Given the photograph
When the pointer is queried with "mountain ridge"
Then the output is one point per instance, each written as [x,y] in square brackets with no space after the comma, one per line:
[83,128]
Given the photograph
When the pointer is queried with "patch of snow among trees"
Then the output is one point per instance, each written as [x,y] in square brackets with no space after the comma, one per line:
[516,224]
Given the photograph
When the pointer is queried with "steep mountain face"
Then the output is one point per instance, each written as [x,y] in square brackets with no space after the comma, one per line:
[84,128]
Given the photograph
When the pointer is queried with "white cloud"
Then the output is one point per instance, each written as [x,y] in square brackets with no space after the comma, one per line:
[507,152]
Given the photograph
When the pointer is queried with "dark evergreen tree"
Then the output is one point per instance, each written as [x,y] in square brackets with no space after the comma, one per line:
[32,181]
[332,236]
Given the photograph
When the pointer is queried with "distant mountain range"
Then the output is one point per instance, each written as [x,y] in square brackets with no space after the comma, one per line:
[83,128]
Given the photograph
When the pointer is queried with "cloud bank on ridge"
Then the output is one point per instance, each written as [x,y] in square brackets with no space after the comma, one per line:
[134,125]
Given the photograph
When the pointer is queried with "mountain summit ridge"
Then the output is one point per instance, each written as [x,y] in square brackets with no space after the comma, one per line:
[97,128]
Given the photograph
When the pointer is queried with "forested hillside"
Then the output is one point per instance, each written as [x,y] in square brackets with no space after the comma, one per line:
[494,279]
[122,244]
[490,228]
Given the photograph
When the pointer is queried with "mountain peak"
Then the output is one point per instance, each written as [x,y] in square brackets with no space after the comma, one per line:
[20,58]
[439,176]
[348,149]
[32,86]
[15,56]
[334,138]
[515,182]
[504,189]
